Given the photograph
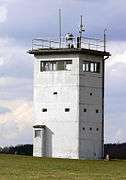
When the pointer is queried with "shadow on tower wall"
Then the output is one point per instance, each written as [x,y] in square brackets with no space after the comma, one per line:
[48,142]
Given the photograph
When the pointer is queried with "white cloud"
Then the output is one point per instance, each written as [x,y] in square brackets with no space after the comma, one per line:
[14,82]
[16,71]
[14,59]
[3,14]
[119,136]
[115,94]
[16,126]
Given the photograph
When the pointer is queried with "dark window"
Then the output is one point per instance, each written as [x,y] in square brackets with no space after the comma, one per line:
[90,129]
[91,66]
[37,133]
[83,128]
[44,110]
[90,94]
[97,129]
[67,109]
[97,111]
[55,93]
[60,65]
[98,68]
[56,65]
[48,66]
[85,110]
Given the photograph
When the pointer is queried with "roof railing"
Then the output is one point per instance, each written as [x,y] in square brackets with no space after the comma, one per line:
[86,43]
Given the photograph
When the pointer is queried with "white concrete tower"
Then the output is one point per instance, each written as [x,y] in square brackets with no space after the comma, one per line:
[68,100]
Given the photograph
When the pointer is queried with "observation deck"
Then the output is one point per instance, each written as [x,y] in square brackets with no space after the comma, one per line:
[85,45]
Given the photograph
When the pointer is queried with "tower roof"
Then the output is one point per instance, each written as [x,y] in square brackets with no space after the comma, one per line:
[50,51]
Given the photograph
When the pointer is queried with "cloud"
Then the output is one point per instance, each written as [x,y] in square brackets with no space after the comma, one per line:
[4,110]
[3,14]
[30,25]
[16,125]
[16,84]
[16,88]
[115,94]
[16,71]
[14,61]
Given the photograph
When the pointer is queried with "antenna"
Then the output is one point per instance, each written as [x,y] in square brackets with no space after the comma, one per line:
[81,29]
[60,27]
[105,39]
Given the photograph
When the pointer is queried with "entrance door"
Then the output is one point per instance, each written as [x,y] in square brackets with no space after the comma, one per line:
[39,141]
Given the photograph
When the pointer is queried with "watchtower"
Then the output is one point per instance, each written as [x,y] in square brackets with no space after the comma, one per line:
[69,97]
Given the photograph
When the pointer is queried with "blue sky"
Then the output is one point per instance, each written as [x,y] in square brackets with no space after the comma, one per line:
[20,22]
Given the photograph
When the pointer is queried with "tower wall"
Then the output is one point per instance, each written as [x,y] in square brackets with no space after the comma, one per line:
[61,127]
[91,110]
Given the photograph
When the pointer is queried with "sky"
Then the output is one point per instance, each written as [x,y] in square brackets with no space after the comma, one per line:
[20,22]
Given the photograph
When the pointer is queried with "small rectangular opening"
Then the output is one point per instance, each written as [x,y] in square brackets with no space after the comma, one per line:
[55,93]
[97,111]
[67,109]
[37,133]
[85,110]
[44,110]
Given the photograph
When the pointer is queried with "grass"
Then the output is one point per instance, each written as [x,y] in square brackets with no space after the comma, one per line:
[14,167]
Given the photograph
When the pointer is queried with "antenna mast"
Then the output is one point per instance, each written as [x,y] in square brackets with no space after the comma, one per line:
[60,33]
[105,39]
[81,29]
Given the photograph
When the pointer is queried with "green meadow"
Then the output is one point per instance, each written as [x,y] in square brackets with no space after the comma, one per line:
[24,167]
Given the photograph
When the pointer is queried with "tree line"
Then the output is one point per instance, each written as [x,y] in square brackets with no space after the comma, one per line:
[115,151]
[23,149]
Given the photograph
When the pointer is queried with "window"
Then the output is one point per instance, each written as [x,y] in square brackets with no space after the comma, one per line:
[67,109]
[85,110]
[37,133]
[68,65]
[90,129]
[91,66]
[44,110]
[90,94]
[85,66]
[83,128]
[48,66]
[97,111]
[56,65]
[55,93]
[97,129]
[60,65]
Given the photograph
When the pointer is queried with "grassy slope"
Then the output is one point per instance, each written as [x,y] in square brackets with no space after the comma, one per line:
[23,167]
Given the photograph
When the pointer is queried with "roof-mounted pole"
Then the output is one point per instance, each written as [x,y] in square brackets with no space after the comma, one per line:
[60,27]
[105,40]
[81,29]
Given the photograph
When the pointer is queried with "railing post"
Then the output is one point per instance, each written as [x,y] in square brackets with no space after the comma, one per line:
[49,44]
[89,44]
[42,44]
[32,44]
